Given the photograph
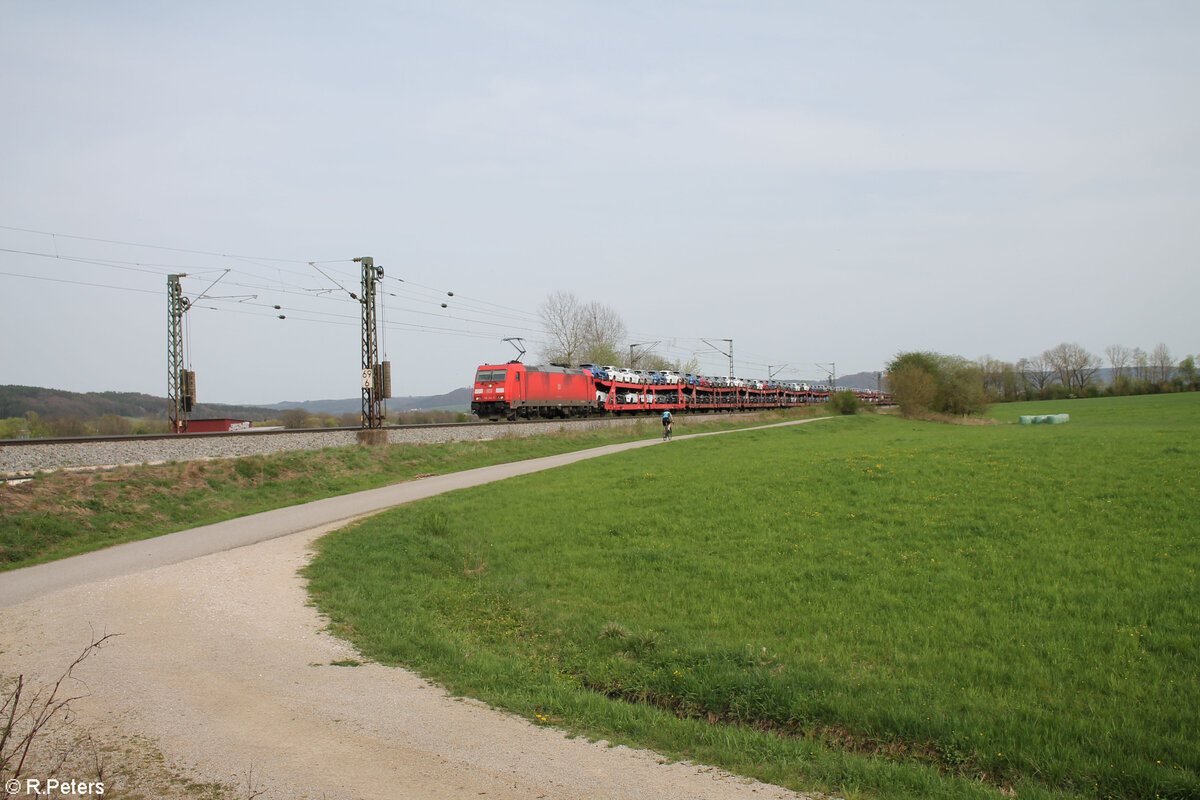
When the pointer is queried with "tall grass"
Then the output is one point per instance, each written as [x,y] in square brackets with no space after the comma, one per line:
[868,605]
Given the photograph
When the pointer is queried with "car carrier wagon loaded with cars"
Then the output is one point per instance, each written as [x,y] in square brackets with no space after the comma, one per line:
[520,391]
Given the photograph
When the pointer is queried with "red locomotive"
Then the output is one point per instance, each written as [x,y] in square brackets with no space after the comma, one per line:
[516,390]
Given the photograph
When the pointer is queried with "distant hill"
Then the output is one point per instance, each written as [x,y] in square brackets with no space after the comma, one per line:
[859,380]
[15,401]
[457,400]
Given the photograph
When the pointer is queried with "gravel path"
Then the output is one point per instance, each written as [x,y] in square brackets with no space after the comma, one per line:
[222,674]
[223,665]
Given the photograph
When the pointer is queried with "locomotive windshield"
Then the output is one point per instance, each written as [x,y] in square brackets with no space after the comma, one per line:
[490,375]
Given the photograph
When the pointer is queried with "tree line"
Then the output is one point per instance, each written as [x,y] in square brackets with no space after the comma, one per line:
[926,382]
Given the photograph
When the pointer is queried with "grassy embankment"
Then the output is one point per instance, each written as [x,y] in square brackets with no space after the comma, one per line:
[867,605]
[60,514]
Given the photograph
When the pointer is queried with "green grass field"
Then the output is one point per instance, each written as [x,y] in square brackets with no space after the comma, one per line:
[865,605]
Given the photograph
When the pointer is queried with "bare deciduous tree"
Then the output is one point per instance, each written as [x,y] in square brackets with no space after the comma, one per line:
[1162,364]
[580,333]
[1075,367]
[561,316]
[603,332]
[1118,359]
[1036,372]
[1140,361]
[993,372]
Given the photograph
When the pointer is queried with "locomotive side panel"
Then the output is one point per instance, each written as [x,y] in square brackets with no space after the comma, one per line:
[558,387]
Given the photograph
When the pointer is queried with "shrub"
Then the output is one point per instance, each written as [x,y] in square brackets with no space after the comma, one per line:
[293,417]
[925,382]
[962,389]
[915,389]
[844,402]
[14,428]
[113,425]
[70,425]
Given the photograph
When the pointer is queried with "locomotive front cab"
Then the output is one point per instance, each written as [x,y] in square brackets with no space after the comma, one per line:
[496,388]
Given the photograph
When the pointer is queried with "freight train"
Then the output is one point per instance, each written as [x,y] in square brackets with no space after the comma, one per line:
[519,391]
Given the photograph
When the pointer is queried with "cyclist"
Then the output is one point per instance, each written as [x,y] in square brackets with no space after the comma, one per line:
[666,420]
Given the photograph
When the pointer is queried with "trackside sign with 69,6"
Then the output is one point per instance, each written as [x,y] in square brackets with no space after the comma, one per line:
[52,787]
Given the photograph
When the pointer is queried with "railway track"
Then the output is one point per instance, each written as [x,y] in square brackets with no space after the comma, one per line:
[284,432]
[22,458]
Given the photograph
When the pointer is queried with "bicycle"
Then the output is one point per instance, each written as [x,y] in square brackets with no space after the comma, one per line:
[667,432]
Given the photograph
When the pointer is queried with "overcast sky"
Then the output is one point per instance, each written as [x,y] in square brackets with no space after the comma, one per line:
[821,182]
